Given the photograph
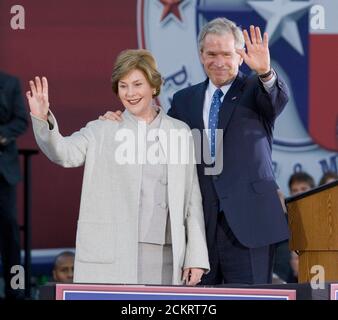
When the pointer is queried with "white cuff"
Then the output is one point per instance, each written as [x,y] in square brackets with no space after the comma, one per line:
[270,83]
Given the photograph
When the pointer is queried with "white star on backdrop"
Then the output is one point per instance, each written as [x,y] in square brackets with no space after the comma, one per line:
[281,17]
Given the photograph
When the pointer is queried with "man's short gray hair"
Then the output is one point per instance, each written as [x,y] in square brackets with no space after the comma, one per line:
[221,26]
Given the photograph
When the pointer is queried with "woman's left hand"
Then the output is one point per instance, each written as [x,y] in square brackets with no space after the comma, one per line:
[192,276]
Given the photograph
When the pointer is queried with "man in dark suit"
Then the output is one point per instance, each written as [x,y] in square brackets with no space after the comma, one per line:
[243,215]
[13,122]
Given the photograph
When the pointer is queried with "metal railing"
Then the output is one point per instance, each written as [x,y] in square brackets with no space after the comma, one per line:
[27,210]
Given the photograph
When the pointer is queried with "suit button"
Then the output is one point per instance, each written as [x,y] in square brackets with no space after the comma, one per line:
[215,178]
[163,205]
[164,182]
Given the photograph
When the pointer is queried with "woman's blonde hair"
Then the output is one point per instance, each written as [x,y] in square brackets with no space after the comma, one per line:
[139,59]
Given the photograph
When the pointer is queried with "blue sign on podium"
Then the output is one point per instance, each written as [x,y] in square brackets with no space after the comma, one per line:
[145,292]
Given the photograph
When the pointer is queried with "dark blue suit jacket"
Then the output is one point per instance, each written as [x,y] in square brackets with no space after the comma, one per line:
[245,190]
[13,122]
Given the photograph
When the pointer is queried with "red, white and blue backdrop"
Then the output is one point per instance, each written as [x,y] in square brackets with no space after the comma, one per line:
[74,43]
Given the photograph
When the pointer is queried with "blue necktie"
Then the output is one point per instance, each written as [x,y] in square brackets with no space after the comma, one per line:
[213,119]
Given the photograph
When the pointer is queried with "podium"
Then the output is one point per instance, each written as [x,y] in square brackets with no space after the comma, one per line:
[313,222]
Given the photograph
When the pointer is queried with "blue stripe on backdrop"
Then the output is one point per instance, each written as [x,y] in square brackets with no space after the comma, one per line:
[42,260]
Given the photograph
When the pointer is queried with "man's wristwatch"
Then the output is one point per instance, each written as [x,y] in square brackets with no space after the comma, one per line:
[267,74]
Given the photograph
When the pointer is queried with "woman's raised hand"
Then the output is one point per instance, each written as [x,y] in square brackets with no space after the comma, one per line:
[38,97]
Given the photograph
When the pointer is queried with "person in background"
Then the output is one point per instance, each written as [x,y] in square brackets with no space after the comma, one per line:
[63,269]
[300,182]
[328,177]
[13,123]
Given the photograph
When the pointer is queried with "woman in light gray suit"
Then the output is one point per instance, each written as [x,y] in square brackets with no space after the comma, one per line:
[141,218]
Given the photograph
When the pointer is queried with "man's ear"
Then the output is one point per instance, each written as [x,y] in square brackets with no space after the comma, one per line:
[240,57]
[241,60]
[200,55]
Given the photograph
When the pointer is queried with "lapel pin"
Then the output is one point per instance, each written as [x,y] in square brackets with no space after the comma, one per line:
[233,98]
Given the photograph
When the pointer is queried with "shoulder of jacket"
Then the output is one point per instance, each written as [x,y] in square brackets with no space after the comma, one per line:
[189,90]
[177,124]
[97,126]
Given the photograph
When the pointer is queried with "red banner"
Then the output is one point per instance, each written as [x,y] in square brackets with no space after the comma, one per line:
[74,44]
